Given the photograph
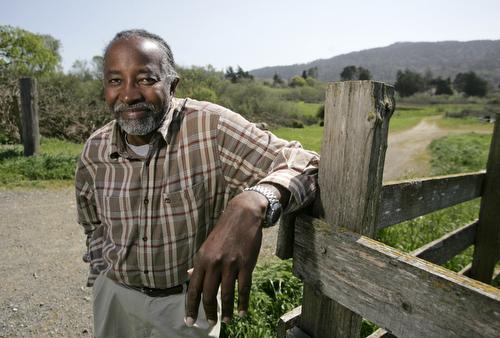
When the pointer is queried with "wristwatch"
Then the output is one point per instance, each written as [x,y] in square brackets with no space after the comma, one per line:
[273,210]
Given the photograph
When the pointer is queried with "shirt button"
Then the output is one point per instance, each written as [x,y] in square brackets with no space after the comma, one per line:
[144,238]
[146,201]
[146,272]
[167,200]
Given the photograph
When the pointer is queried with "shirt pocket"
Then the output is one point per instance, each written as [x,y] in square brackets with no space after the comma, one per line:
[185,212]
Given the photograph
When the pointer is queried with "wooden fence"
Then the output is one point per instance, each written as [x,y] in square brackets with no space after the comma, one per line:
[348,275]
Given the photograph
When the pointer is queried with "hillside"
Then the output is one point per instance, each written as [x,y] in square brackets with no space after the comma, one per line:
[446,58]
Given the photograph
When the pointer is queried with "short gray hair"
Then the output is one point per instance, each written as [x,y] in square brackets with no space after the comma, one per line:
[167,59]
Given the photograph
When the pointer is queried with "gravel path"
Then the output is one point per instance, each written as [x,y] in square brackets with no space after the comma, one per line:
[42,279]
[42,291]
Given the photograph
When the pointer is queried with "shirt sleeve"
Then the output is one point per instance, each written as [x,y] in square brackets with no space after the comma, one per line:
[249,156]
[87,217]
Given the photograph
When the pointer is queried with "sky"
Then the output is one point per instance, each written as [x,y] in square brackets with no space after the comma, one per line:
[255,33]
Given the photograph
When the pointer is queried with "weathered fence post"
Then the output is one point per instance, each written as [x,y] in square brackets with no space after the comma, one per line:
[29,107]
[350,177]
[487,243]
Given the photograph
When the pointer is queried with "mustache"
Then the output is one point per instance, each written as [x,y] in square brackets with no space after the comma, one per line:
[121,107]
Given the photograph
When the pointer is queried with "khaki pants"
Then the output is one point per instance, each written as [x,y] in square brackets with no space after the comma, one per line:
[120,312]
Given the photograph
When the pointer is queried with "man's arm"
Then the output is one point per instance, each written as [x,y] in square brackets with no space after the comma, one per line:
[87,217]
[231,250]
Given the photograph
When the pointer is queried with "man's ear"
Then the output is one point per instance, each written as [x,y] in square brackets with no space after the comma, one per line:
[173,85]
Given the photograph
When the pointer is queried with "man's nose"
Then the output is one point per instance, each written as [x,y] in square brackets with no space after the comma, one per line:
[130,93]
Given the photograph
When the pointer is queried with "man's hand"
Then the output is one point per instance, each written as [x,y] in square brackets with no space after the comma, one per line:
[229,253]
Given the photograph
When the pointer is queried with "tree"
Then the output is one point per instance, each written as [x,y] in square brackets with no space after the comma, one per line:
[231,75]
[304,74]
[85,70]
[237,76]
[470,84]
[443,86]
[364,74]
[277,80]
[313,72]
[28,54]
[355,73]
[348,73]
[241,74]
[409,83]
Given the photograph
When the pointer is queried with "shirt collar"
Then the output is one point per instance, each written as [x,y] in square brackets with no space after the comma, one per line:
[118,145]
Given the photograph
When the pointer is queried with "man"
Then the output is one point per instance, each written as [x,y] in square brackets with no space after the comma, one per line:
[160,190]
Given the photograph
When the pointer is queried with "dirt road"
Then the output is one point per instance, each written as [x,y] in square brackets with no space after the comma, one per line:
[42,277]
[407,154]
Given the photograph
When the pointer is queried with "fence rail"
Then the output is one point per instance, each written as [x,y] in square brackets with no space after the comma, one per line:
[347,275]
[408,199]
[393,289]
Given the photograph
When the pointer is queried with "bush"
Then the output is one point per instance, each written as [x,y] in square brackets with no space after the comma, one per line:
[56,161]
[39,167]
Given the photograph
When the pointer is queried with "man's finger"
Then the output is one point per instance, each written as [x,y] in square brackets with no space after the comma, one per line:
[227,295]
[244,285]
[210,289]
[193,296]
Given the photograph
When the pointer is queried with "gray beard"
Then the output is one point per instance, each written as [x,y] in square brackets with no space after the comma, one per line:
[147,124]
[144,126]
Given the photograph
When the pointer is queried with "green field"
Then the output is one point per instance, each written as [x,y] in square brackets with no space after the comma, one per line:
[308,109]
[310,136]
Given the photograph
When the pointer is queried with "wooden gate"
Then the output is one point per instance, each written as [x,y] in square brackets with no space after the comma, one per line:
[348,275]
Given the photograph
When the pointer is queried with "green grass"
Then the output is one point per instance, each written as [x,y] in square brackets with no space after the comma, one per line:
[310,136]
[459,153]
[308,109]
[464,123]
[275,291]
[53,166]
[406,117]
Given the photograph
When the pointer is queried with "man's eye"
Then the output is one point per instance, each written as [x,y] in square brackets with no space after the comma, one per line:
[114,82]
[148,81]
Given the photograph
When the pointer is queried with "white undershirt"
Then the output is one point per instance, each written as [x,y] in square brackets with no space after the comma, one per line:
[139,150]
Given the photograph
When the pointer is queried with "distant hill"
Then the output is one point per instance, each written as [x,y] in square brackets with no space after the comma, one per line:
[446,58]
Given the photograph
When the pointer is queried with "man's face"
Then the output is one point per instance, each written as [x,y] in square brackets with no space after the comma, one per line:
[136,87]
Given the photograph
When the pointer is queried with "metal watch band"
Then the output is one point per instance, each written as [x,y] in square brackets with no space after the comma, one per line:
[271,199]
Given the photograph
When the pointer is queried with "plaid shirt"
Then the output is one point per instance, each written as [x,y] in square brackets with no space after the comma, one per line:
[145,218]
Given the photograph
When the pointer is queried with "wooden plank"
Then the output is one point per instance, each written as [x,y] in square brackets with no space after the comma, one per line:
[487,246]
[296,332]
[466,270]
[288,321]
[357,117]
[448,246]
[406,200]
[432,253]
[29,108]
[496,272]
[405,294]
[286,230]
[381,333]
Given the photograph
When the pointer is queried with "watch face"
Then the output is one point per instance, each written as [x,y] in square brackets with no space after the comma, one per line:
[274,213]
